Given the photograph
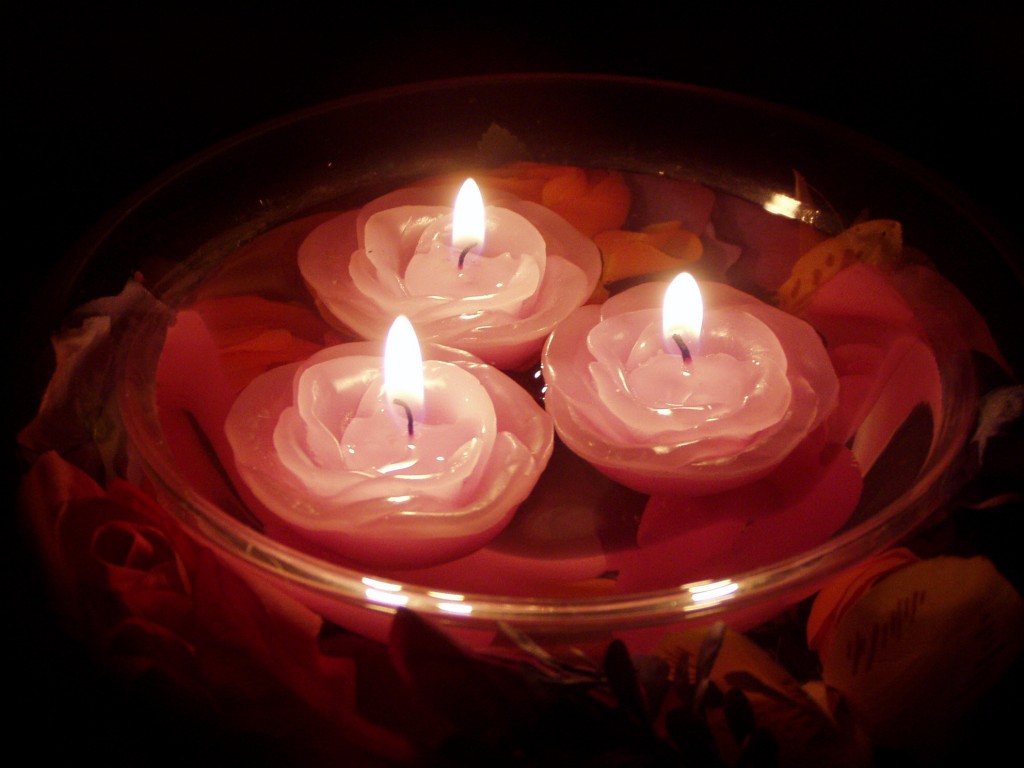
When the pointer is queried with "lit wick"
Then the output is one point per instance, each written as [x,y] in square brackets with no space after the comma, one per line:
[403,370]
[462,256]
[469,225]
[408,413]
[682,313]
[685,350]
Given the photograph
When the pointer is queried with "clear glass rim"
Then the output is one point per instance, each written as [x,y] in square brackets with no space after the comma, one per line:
[806,571]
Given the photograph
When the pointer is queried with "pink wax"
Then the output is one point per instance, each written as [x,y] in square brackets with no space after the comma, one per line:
[496,296]
[324,447]
[720,411]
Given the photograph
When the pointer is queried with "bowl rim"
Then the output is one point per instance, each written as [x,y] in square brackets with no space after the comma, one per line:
[805,571]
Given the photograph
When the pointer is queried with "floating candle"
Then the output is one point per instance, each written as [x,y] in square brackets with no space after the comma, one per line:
[492,280]
[664,406]
[399,471]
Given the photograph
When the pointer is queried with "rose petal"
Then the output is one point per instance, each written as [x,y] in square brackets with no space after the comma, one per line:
[728,533]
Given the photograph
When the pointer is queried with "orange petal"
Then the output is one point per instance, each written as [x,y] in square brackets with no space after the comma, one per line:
[662,247]
[591,200]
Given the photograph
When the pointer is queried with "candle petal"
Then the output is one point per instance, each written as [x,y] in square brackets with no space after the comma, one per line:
[387,259]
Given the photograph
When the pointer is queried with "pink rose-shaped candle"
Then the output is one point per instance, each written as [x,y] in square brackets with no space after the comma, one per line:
[491,280]
[666,404]
[393,469]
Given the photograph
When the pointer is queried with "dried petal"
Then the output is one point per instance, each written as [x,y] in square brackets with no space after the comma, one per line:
[807,734]
[844,590]
[921,647]
[872,242]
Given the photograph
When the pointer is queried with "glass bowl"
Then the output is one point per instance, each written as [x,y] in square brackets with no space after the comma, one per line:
[188,228]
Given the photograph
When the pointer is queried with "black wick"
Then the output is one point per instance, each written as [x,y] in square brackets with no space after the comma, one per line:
[687,358]
[408,413]
[462,256]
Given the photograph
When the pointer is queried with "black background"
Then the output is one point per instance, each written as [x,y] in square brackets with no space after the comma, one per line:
[99,101]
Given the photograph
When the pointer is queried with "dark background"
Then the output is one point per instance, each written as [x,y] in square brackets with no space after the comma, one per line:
[98,102]
[101,102]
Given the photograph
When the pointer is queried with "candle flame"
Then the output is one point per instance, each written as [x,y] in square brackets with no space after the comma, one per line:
[468,227]
[403,371]
[682,315]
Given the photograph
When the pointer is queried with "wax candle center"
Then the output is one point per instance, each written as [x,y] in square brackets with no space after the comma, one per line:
[371,443]
[504,273]
[720,385]
[645,387]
